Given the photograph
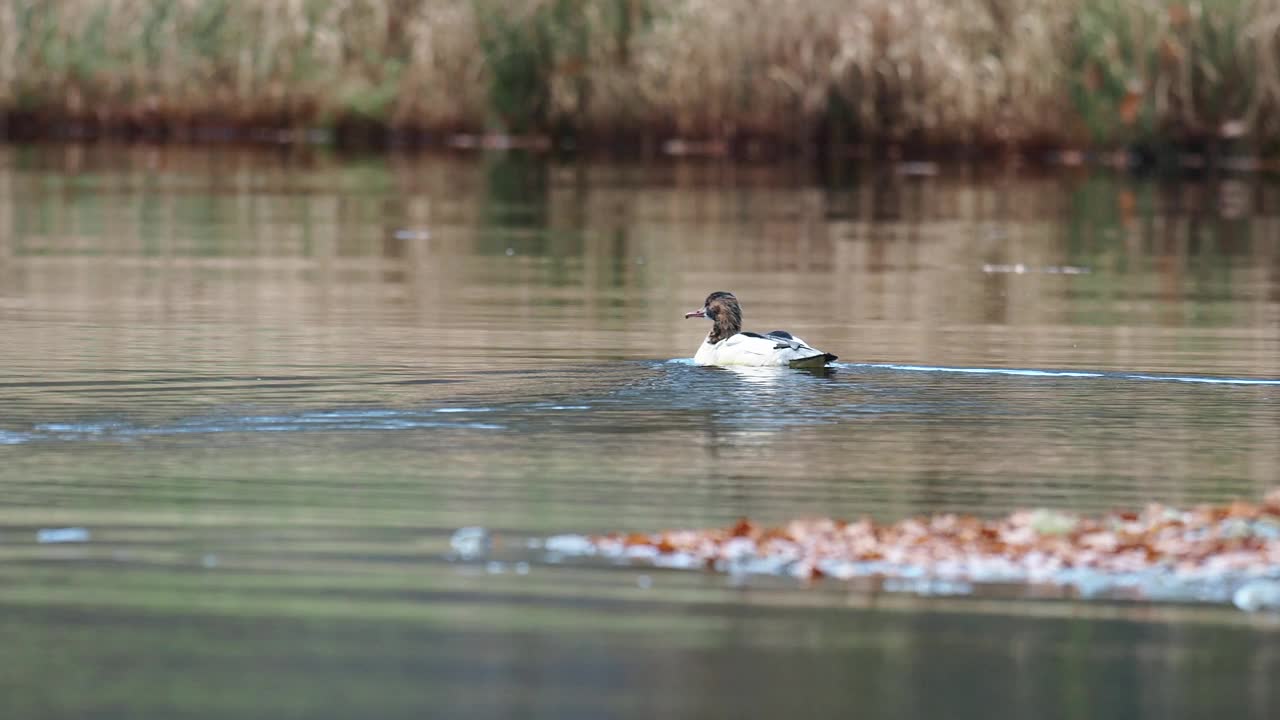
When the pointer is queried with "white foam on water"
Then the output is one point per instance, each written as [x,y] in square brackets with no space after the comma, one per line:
[1021,372]
[50,536]
[1205,380]
[471,542]
[978,371]
[569,545]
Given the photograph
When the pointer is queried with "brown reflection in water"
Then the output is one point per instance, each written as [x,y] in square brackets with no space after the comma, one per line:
[950,270]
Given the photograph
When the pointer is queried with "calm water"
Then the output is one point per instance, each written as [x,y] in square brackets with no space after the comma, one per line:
[268,389]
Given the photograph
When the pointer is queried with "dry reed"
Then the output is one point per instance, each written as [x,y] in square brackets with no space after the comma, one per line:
[793,71]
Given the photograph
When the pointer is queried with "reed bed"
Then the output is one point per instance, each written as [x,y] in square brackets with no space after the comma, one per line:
[795,72]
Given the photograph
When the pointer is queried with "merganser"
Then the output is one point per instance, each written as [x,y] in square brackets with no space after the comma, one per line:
[726,344]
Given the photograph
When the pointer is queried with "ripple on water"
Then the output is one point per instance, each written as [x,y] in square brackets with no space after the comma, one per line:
[316,421]
[772,398]
[8,437]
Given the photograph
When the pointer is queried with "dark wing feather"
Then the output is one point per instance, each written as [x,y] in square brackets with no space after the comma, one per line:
[781,338]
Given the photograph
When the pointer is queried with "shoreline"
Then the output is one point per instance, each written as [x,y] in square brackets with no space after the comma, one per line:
[923,160]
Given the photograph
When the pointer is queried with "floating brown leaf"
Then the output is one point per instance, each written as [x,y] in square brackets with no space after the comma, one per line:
[1238,536]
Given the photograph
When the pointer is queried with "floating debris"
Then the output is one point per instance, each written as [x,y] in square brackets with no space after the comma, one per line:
[568,544]
[1022,269]
[1221,554]
[921,168]
[48,536]
[683,147]
[1049,522]
[1258,595]
[409,234]
[499,141]
[470,543]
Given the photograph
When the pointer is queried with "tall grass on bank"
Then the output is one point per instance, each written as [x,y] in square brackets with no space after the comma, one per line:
[790,71]
[1152,71]
[278,62]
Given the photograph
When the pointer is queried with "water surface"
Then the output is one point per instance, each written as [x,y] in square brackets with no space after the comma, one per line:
[269,388]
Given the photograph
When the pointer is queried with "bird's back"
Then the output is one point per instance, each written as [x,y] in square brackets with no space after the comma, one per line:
[778,348]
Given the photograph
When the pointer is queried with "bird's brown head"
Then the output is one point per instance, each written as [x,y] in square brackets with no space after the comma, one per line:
[721,308]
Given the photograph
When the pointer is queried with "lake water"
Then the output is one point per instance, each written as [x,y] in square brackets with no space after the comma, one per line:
[258,392]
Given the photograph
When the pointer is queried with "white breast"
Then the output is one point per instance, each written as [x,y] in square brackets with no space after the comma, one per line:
[754,351]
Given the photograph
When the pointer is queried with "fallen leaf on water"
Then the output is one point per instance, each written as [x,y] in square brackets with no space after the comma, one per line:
[1237,537]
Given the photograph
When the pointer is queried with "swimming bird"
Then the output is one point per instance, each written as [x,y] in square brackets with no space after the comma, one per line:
[726,344]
